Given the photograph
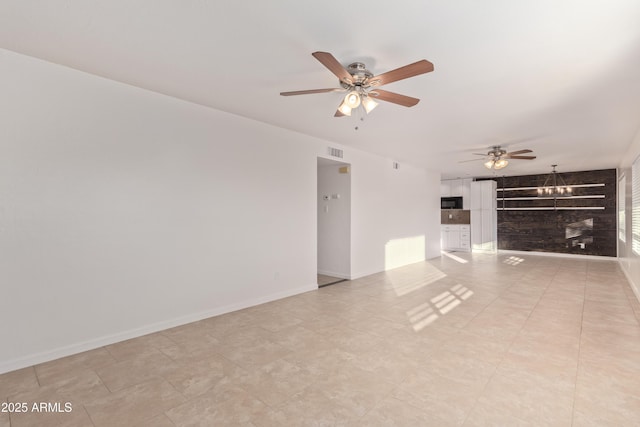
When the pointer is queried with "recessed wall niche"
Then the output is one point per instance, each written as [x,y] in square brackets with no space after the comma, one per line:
[583,222]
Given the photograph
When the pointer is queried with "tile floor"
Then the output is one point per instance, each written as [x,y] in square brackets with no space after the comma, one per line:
[472,340]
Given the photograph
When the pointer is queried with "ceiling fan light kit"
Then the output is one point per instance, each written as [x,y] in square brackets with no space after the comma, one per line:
[352,99]
[496,164]
[344,109]
[368,104]
[360,84]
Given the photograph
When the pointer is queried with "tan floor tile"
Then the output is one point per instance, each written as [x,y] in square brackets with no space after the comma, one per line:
[610,368]
[57,416]
[131,349]
[471,346]
[498,322]
[483,415]
[393,412]
[321,363]
[277,381]
[255,354]
[55,370]
[606,407]
[274,322]
[207,410]
[353,389]
[18,381]
[413,345]
[136,370]
[518,298]
[188,333]
[244,336]
[353,341]
[548,367]
[79,389]
[134,404]
[596,418]
[308,408]
[219,326]
[439,397]
[562,326]
[301,311]
[530,397]
[298,338]
[608,378]
[387,364]
[597,312]
[538,344]
[192,350]
[193,377]
[157,421]
[534,341]
[157,340]
[378,326]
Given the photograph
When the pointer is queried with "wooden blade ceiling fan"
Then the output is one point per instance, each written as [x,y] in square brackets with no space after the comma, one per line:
[362,86]
[498,158]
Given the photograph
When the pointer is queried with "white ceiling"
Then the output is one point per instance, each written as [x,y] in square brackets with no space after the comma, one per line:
[558,77]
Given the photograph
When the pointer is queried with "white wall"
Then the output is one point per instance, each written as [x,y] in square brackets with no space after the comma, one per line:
[629,261]
[334,221]
[124,212]
[392,212]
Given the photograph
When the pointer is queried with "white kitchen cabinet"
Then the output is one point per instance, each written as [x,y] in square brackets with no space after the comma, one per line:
[465,237]
[457,188]
[466,193]
[445,188]
[484,216]
[455,237]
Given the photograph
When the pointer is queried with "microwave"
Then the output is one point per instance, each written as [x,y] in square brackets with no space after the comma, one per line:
[451,203]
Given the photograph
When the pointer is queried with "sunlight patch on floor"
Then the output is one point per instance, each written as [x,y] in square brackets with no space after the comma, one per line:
[426,279]
[426,313]
[513,260]
[454,257]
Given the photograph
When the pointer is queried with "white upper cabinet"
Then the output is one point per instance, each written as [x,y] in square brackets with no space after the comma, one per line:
[466,193]
[457,188]
[445,188]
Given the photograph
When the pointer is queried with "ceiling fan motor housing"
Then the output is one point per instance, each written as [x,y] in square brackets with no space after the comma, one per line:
[497,152]
[360,75]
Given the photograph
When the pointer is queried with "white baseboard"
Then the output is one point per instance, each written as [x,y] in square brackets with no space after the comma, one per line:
[68,350]
[557,254]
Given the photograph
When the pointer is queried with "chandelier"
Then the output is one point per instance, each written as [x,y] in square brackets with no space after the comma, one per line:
[554,186]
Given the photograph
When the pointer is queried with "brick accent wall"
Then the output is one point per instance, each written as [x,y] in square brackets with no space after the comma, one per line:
[523,226]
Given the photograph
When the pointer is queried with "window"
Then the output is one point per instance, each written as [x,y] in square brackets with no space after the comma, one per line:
[622,227]
[635,207]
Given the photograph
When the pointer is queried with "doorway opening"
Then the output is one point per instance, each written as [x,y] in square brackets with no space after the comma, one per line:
[334,221]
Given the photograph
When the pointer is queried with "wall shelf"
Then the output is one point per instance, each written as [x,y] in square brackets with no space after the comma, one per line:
[595,196]
[526,198]
[536,188]
[551,208]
